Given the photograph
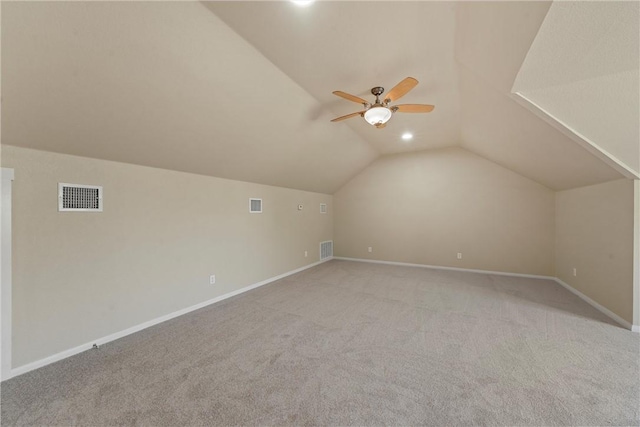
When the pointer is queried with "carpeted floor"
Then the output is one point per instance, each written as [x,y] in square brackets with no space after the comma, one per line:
[348,343]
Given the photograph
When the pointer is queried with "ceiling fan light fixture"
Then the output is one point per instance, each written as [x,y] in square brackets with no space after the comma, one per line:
[377,115]
[379,112]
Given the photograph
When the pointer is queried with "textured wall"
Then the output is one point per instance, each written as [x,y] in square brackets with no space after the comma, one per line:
[81,276]
[425,207]
[594,234]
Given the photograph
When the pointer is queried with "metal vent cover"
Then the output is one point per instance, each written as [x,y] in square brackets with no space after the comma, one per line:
[323,208]
[255,205]
[326,249]
[77,197]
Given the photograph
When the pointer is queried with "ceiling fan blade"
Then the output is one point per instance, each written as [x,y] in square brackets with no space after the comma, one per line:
[348,116]
[400,89]
[413,108]
[350,97]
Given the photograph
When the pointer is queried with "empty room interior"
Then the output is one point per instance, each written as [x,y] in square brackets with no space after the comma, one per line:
[320,213]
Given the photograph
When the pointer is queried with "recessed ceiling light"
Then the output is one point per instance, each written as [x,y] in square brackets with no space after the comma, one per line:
[407,136]
[302,3]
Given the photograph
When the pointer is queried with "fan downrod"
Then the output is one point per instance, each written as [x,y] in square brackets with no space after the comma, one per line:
[377,91]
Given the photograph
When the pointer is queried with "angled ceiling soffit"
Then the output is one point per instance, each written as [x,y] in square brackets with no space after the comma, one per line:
[582,76]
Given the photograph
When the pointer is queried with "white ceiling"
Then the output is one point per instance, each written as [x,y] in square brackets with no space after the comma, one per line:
[352,47]
[584,69]
[242,90]
[165,85]
[496,126]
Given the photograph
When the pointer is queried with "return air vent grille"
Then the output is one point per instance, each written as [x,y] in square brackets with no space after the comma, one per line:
[326,249]
[255,205]
[75,197]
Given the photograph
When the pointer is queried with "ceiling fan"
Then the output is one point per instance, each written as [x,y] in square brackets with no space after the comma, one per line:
[379,113]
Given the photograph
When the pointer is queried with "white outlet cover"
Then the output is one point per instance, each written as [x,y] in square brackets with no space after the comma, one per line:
[370,249]
[212,279]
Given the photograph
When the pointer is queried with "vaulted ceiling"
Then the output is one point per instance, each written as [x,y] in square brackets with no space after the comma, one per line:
[583,70]
[242,90]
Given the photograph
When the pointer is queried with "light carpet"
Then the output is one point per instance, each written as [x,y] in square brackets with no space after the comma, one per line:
[348,343]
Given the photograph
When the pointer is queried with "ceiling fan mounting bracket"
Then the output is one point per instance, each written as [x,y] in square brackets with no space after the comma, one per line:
[377,91]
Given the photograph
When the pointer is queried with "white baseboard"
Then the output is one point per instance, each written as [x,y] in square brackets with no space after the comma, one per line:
[599,307]
[438,267]
[112,337]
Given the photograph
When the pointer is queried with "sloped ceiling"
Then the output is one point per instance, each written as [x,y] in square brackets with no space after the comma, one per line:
[354,46]
[242,90]
[584,70]
[494,124]
[166,85]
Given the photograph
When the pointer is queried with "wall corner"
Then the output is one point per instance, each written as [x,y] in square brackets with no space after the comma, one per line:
[636,255]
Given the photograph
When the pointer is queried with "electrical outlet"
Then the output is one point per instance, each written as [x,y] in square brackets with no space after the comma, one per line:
[575,271]
[459,255]
[305,254]
[212,279]
[369,249]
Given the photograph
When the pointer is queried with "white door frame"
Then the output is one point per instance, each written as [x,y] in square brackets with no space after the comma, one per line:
[5,274]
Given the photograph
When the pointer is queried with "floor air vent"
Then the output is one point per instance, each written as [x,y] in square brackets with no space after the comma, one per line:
[75,197]
[326,249]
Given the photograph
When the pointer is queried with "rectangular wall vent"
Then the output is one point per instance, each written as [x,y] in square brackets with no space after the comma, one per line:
[76,197]
[255,205]
[323,208]
[326,249]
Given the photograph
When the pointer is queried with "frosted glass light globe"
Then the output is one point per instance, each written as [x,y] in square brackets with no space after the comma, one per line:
[377,115]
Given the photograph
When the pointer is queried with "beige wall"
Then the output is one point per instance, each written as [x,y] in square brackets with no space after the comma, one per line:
[594,234]
[81,276]
[427,206]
